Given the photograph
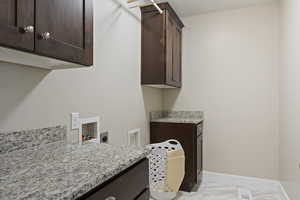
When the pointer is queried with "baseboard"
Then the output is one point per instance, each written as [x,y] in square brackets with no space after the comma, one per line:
[257,184]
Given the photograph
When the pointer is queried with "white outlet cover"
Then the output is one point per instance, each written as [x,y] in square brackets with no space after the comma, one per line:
[134,137]
[75,121]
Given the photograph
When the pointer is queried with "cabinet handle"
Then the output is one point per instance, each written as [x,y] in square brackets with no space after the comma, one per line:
[45,36]
[27,29]
[111,198]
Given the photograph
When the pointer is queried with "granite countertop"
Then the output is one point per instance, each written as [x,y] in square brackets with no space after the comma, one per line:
[188,117]
[178,120]
[60,171]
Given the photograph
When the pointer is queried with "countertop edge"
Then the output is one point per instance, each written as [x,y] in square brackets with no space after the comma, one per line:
[177,121]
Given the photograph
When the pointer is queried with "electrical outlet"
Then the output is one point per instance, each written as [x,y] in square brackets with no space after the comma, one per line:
[104,137]
[75,121]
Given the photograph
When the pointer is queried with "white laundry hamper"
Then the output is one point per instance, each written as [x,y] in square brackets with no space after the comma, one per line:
[167,169]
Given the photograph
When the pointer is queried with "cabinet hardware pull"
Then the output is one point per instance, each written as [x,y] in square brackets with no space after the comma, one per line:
[111,198]
[45,36]
[27,29]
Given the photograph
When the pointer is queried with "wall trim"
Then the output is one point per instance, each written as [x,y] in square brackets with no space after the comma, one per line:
[251,183]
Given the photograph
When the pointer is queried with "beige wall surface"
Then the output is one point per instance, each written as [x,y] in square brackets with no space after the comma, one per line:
[34,98]
[230,69]
[290,98]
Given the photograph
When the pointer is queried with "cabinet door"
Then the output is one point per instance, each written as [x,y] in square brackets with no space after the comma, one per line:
[170,24]
[176,73]
[17,24]
[186,135]
[65,30]
[173,52]
[153,47]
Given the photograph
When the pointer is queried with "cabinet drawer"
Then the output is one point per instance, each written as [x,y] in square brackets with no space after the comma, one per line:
[144,196]
[127,186]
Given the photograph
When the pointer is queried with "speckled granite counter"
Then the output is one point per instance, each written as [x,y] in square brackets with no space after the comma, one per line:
[57,171]
[189,117]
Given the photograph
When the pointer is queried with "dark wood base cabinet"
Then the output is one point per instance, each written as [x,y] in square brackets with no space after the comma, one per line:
[190,137]
[132,184]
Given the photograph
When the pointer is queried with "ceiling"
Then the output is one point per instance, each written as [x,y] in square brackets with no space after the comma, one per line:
[192,7]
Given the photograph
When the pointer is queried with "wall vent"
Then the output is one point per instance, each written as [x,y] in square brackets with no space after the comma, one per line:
[134,138]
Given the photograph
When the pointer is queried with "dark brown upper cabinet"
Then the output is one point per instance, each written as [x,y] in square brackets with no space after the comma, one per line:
[17,24]
[50,33]
[161,47]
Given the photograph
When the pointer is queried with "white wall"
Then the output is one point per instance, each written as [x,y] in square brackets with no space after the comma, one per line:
[33,98]
[290,97]
[230,69]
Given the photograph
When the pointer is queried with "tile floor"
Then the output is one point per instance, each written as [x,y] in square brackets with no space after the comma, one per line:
[215,191]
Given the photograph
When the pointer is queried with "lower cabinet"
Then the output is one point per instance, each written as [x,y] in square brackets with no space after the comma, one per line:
[190,137]
[145,195]
[132,184]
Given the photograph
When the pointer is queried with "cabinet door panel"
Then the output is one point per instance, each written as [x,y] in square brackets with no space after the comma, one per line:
[70,27]
[14,16]
[153,47]
[186,135]
[170,24]
[173,52]
[176,73]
